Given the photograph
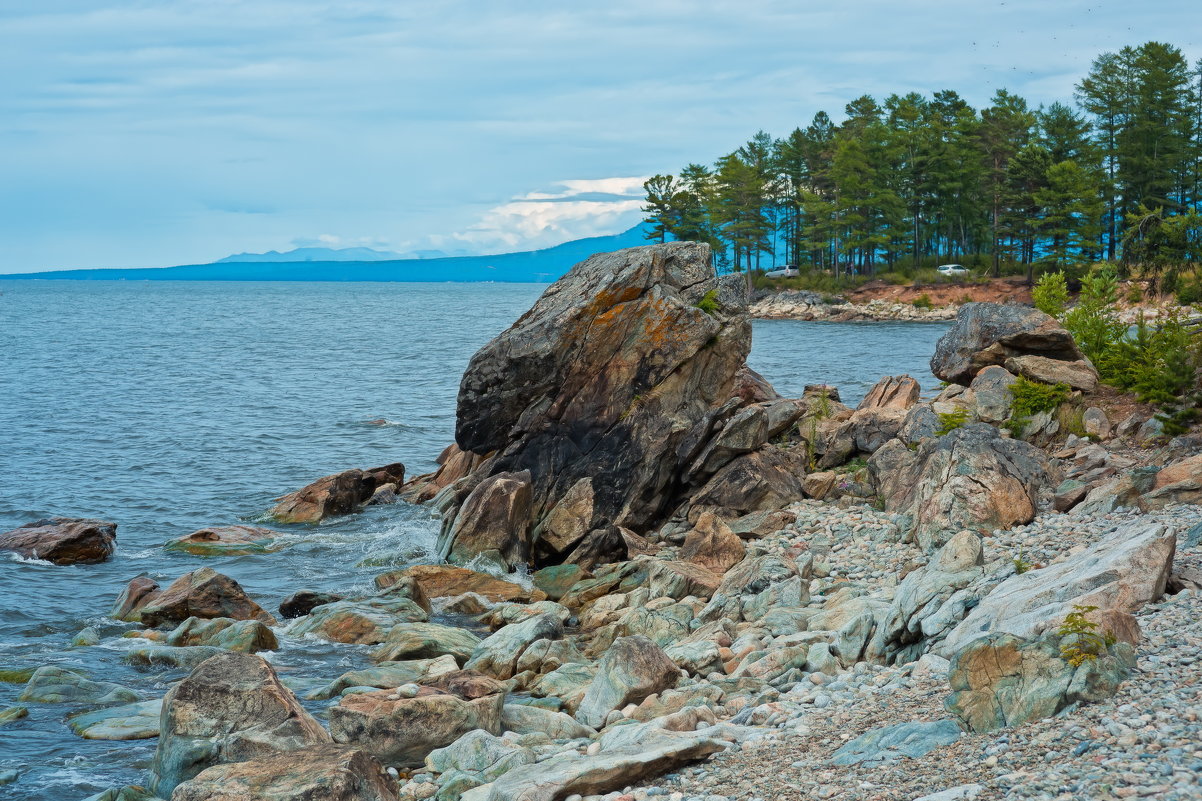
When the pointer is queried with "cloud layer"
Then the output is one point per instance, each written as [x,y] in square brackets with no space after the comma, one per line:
[136,133]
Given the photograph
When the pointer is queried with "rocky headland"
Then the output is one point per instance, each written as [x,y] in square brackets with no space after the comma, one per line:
[662,579]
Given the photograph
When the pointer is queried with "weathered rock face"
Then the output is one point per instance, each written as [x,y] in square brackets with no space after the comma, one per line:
[494,517]
[892,392]
[632,669]
[1117,575]
[970,478]
[233,635]
[338,494]
[1180,482]
[1078,375]
[202,593]
[231,708]
[607,375]
[63,540]
[137,594]
[226,541]
[1003,680]
[991,333]
[712,545]
[326,772]
[301,602]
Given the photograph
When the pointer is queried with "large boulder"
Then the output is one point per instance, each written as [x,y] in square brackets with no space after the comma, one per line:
[426,641]
[403,730]
[712,545]
[606,376]
[319,772]
[231,708]
[892,392]
[498,654]
[971,478]
[991,333]
[203,593]
[494,517]
[1179,482]
[337,494]
[1078,375]
[366,622]
[1117,575]
[1004,680]
[764,480]
[63,540]
[632,669]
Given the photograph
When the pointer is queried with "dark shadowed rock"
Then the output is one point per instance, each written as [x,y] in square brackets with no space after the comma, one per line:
[301,602]
[231,708]
[338,494]
[605,376]
[203,593]
[320,772]
[765,480]
[991,333]
[63,540]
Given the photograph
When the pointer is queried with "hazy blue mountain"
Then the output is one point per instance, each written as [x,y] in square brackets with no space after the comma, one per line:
[536,266]
[313,254]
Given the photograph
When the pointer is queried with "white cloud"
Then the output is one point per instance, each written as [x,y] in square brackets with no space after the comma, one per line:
[542,219]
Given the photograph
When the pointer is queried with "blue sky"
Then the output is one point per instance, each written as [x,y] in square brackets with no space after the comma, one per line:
[173,131]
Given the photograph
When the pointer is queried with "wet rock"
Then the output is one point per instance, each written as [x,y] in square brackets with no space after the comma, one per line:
[231,708]
[445,581]
[227,541]
[223,632]
[970,478]
[402,731]
[325,772]
[632,669]
[337,494]
[426,641]
[138,721]
[302,602]
[186,657]
[605,376]
[498,655]
[1003,680]
[56,685]
[1118,575]
[556,580]
[1076,374]
[138,593]
[63,540]
[130,793]
[712,545]
[495,516]
[203,593]
[12,713]
[366,622]
[891,743]
[990,333]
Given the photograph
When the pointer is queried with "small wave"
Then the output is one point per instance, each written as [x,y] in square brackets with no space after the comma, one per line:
[384,422]
[28,560]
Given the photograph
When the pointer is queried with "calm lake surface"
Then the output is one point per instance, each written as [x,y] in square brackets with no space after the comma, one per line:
[166,407]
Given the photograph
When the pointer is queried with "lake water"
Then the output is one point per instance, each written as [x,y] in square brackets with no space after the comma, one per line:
[167,407]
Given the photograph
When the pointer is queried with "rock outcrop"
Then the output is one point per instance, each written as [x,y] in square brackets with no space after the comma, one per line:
[63,540]
[325,772]
[991,333]
[970,478]
[231,708]
[337,494]
[625,368]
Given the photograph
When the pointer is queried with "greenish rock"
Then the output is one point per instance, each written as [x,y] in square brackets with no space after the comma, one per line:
[552,703]
[1003,680]
[8,777]
[16,675]
[85,638]
[454,784]
[12,713]
[247,636]
[557,580]
[483,756]
[365,622]
[138,721]
[408,641]
[700,657]
[186,657]
[891,743]
[227,541]
[498,655]
[56,685]
[529,719]
[387,676]
[568,682]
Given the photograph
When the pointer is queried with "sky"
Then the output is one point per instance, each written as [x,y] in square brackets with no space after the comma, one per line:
[160,132]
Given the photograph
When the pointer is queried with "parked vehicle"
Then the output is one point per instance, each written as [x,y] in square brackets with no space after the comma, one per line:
[952,269]
[788,271]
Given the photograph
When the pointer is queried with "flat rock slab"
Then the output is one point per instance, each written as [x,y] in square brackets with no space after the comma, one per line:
[891,743]
[128,722]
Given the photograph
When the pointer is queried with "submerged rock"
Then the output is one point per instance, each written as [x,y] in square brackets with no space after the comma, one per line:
[56,685]
[63,540]
[226,541]
[138,721]
[337,494]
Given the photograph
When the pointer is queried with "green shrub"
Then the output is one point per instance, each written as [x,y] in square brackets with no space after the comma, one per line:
[709,302]
[923,302]
[1093,322]
[896,279]
[1135,294]
[1031,398]
[1051,294]
[950,421]
[1189,292]
[1156,363]
[1086,642]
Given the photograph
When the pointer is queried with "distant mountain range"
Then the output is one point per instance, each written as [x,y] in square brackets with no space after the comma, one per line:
[336,254]
[534,266]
